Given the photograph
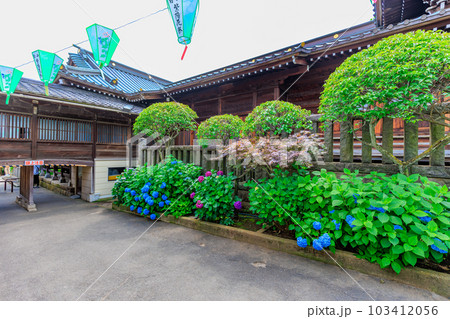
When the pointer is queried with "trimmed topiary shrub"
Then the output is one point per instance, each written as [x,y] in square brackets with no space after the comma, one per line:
[220,127]
[167,119]
[405,76]
[276,118]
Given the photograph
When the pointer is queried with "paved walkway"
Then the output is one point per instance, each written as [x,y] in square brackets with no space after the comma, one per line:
[59,251]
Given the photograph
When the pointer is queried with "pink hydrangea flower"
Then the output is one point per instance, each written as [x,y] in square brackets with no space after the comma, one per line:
[192,195]
[199,204]
[219,173]
[201,179]
[208,173]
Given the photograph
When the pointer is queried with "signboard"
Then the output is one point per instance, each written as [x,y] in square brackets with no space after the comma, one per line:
[32,163]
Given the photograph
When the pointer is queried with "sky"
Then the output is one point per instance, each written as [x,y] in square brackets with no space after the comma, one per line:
[227,31]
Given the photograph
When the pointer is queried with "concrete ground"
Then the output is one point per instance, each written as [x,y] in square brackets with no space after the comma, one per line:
[59,251]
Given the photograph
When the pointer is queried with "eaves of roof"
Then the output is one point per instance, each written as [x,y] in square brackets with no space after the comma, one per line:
[69,95]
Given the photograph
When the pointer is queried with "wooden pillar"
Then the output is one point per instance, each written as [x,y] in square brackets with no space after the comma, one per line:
[346,145]
[219,111]
[94,138]
[437,158]
[328,141]
[34,131]
[387,137]
[276,93]
[26,199]
[366,155]
[411,140]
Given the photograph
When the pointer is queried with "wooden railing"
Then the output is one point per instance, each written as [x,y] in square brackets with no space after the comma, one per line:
[406,141]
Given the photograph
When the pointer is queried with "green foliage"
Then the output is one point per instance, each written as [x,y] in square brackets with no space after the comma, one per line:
[165,119]
[177,177]
[220,127]
[397,77]
[276,118]
[215,193]
[393,221]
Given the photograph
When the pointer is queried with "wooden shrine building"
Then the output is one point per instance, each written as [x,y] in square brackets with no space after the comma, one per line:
[84,124]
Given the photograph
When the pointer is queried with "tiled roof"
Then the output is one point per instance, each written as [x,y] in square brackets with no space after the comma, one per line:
[72,94]
[131,82]
[115,77]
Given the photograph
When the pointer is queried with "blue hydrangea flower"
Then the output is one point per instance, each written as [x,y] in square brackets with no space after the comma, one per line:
[164,197]
[379,209]
[426,219]
[152,216]
[317,225]
[173,162]
[436,248]
[331,212]
[127,190]
[398,227]
[137,198]
[167,202]
[145,196]
[179,173]
[355,197]
[139,210]
[132,207]
[163,185]
[148,184]
[161,204]
[349,219]
[302,242]
[338,225]
[155,194]
[150,201]
[146,211]
[187,178]
[145,189]
[317,244]
[133,193]
[325,240]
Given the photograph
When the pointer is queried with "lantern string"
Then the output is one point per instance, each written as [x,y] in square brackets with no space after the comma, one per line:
[117,28]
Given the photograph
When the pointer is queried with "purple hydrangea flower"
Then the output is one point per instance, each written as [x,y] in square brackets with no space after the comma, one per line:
[199,204]
[201,179]
[192,196]
[208,173]
[238,205]
[219,173]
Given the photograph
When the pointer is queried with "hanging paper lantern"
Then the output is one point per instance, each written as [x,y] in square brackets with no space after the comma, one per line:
[47,65]
[9,78]
[184,15]
[103,42]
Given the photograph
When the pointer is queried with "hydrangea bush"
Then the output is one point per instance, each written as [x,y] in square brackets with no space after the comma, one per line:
[157,189]
[214,197]
[394,221]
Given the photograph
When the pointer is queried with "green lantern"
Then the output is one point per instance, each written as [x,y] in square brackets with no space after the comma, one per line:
[47,65]
[9,78]
[184,15]
[103,42]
